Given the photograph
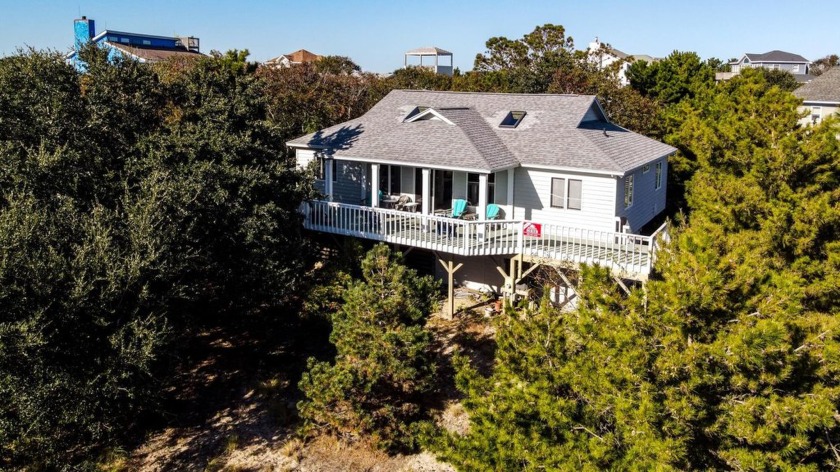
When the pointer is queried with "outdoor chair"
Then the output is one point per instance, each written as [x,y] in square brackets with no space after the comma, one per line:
[402,203]
[459,206]
[493,211]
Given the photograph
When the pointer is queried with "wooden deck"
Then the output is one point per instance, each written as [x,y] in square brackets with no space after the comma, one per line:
[630,256]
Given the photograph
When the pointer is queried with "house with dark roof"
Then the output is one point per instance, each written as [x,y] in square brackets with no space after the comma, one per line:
[773,60]
[301,56]
[140,47]
[821,96]
[545,177]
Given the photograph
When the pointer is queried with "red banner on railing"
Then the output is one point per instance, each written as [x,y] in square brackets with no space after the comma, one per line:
[532,229]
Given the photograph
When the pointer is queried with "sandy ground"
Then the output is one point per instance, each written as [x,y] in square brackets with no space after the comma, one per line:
[234,418]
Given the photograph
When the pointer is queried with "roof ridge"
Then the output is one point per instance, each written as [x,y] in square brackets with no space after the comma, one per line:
[456,92]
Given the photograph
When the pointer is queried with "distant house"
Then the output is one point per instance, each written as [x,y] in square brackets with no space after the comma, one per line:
[483,178]
[773,60]
[437,54]
[301,56]
[604,55]
[141,47]
[821,96]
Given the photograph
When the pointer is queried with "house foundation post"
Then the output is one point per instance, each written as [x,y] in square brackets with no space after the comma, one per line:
[450,268]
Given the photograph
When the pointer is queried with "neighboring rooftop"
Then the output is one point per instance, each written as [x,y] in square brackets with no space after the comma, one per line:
[464,133]
[433,52]
[823,88]
[298,57]
[776,56]
[139,46]
[429,51]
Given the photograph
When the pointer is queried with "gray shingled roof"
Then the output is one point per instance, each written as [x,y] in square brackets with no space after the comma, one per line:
[823,88]
[775,56]
[561,131]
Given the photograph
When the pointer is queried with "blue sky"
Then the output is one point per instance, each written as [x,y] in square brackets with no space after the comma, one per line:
[376,33]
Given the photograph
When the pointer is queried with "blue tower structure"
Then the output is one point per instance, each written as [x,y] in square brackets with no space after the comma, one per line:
[140,47]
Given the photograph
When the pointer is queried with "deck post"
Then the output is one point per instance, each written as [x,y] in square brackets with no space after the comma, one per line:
[426,196]
[450,268]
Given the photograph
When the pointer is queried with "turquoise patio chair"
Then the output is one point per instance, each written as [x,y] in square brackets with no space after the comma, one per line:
[459,206]
[493,211]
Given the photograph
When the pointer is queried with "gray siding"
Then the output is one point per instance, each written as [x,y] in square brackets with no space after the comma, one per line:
[532,199]
[347,187]
[647,200]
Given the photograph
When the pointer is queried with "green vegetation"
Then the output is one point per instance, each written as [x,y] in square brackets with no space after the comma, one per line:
[383,368]
[140,204]
[134,204]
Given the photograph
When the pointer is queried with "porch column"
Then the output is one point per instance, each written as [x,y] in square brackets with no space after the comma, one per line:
[427,191]
[328,178]
[374,185]
[481,209]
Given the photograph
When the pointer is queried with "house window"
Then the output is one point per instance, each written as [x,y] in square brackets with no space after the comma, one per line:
[575,196]
[334,170]
[562,197]
[658,183]
[816,114]
[390,178]
[646,169]
[473,183]
[558,193]
[512,119]
[628,191]
[795,68]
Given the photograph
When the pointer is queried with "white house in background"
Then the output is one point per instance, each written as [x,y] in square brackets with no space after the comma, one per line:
[572,187]
[604,55]
[821,96]
[437,60]
[773,60]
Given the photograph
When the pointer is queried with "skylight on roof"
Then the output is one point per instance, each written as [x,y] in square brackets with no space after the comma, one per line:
[512,119]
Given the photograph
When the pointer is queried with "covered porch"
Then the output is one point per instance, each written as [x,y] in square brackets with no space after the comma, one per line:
[426,190]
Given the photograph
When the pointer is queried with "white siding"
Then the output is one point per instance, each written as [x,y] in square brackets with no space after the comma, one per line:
[647,200]
[304,157]
[532,199]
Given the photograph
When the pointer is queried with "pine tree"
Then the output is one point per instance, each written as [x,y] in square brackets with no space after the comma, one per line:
[383,367]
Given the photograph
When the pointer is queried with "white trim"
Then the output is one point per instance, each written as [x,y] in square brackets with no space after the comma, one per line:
[106,32]
[807,103]
[575,170]
[429,111]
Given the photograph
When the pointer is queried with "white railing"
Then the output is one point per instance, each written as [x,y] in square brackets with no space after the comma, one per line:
[630,255]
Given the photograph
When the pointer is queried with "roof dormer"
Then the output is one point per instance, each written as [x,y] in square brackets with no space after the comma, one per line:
[425,114]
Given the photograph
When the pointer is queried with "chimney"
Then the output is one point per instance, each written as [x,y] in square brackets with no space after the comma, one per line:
[84,30]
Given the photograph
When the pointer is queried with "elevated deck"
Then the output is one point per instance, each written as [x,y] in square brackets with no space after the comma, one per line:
[629,256]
